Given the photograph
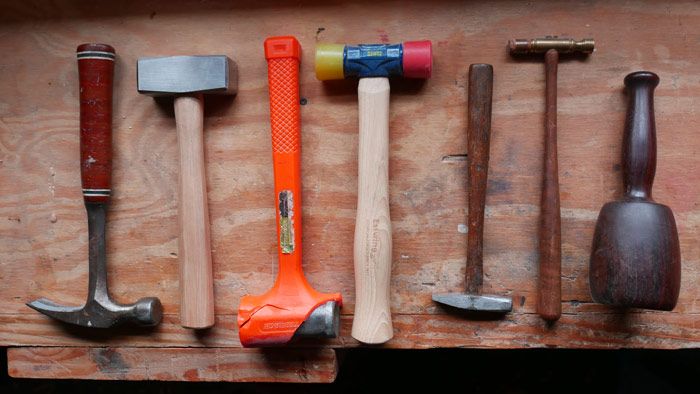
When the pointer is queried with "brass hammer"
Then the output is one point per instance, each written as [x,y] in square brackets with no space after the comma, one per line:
[549,292]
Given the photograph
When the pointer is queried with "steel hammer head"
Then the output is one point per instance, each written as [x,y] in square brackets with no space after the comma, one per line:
[102,312]
[411,59]
[542,45]
[475,302]
[165,76]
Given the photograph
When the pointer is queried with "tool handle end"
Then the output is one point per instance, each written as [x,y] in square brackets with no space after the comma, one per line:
[96,72]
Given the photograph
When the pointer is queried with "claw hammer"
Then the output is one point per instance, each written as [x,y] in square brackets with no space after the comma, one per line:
[549,292]
[373,64]
[292,308]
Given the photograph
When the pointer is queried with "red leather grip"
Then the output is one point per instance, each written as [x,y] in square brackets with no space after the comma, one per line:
[96,72]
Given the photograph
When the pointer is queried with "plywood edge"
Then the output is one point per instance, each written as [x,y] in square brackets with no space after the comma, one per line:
[174,364]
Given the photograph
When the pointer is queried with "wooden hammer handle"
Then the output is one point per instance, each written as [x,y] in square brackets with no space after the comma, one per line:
[96,72]
[372,321]
[478,143]
[639,144]
[549,297]
[196,281]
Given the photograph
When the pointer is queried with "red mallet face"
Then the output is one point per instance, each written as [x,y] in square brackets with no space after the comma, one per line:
[417,59]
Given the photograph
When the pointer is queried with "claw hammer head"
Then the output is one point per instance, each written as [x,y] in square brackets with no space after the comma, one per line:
[411,59]
[103,313]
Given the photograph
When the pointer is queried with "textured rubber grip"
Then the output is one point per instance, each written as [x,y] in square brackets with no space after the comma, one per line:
[283,78]
[96,72]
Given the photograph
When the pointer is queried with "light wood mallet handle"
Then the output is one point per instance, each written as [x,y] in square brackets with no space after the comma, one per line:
[372,321]
[196,281]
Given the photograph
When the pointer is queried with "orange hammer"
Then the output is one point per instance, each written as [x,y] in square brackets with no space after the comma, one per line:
[373,64]
[292,308]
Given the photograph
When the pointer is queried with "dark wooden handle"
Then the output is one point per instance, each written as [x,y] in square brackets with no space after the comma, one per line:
[96,72]
[478,143]
[639,143]
[549,297]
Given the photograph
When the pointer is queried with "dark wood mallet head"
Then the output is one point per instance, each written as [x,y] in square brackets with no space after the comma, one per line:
[636,258]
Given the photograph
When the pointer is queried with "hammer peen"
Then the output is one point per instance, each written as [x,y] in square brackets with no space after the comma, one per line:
[188,78]
[373,64]
[96,71]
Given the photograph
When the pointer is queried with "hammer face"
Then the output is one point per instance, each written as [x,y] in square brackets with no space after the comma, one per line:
[477,303]
[323,322]
[164,76]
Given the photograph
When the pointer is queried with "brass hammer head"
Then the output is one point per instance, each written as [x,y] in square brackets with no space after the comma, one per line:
[542,45]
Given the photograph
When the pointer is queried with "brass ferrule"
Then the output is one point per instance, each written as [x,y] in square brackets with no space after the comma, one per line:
[542,45]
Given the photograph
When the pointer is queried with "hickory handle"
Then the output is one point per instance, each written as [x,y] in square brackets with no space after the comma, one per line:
[478,142]
[95,77]
[639,141]
[549,294]
[196,280]
[372,250]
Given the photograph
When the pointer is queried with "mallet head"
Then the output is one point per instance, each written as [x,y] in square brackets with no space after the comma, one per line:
[175,75]
[411,59]
[541,45]
[101,312]
[475,302]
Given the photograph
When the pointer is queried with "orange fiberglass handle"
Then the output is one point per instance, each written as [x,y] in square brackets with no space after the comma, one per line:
[272,318]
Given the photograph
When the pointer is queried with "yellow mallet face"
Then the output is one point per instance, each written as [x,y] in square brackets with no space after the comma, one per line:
[329,61]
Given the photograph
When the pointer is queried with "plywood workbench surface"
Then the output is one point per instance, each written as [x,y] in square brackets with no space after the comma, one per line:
[43,230]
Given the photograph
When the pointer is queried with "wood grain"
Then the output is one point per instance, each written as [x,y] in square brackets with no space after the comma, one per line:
[549,280]
[372,247]
[43,232]
[196,278]
[174,364]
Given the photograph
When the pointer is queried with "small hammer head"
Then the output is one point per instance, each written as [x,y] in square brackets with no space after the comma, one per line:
[411,59]
[475,303]
[165,76]
[541,45]
[103,313]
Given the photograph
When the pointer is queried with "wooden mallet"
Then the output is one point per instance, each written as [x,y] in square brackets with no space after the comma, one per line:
[549,293]
[636,256]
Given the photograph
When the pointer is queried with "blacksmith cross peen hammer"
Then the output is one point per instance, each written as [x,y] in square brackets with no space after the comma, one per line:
[549,292]
[478,143]
[373,64]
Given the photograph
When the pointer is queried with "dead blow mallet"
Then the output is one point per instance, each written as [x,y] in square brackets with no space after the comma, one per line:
[478,142]
[636,256]
[96,71]
[291,309]
[188,78]
[549,292]
[373,64]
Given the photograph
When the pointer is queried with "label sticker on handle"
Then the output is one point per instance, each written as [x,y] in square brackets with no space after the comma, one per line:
[286,214]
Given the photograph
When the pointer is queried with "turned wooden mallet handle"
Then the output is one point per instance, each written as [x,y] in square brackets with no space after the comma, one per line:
[96,74]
